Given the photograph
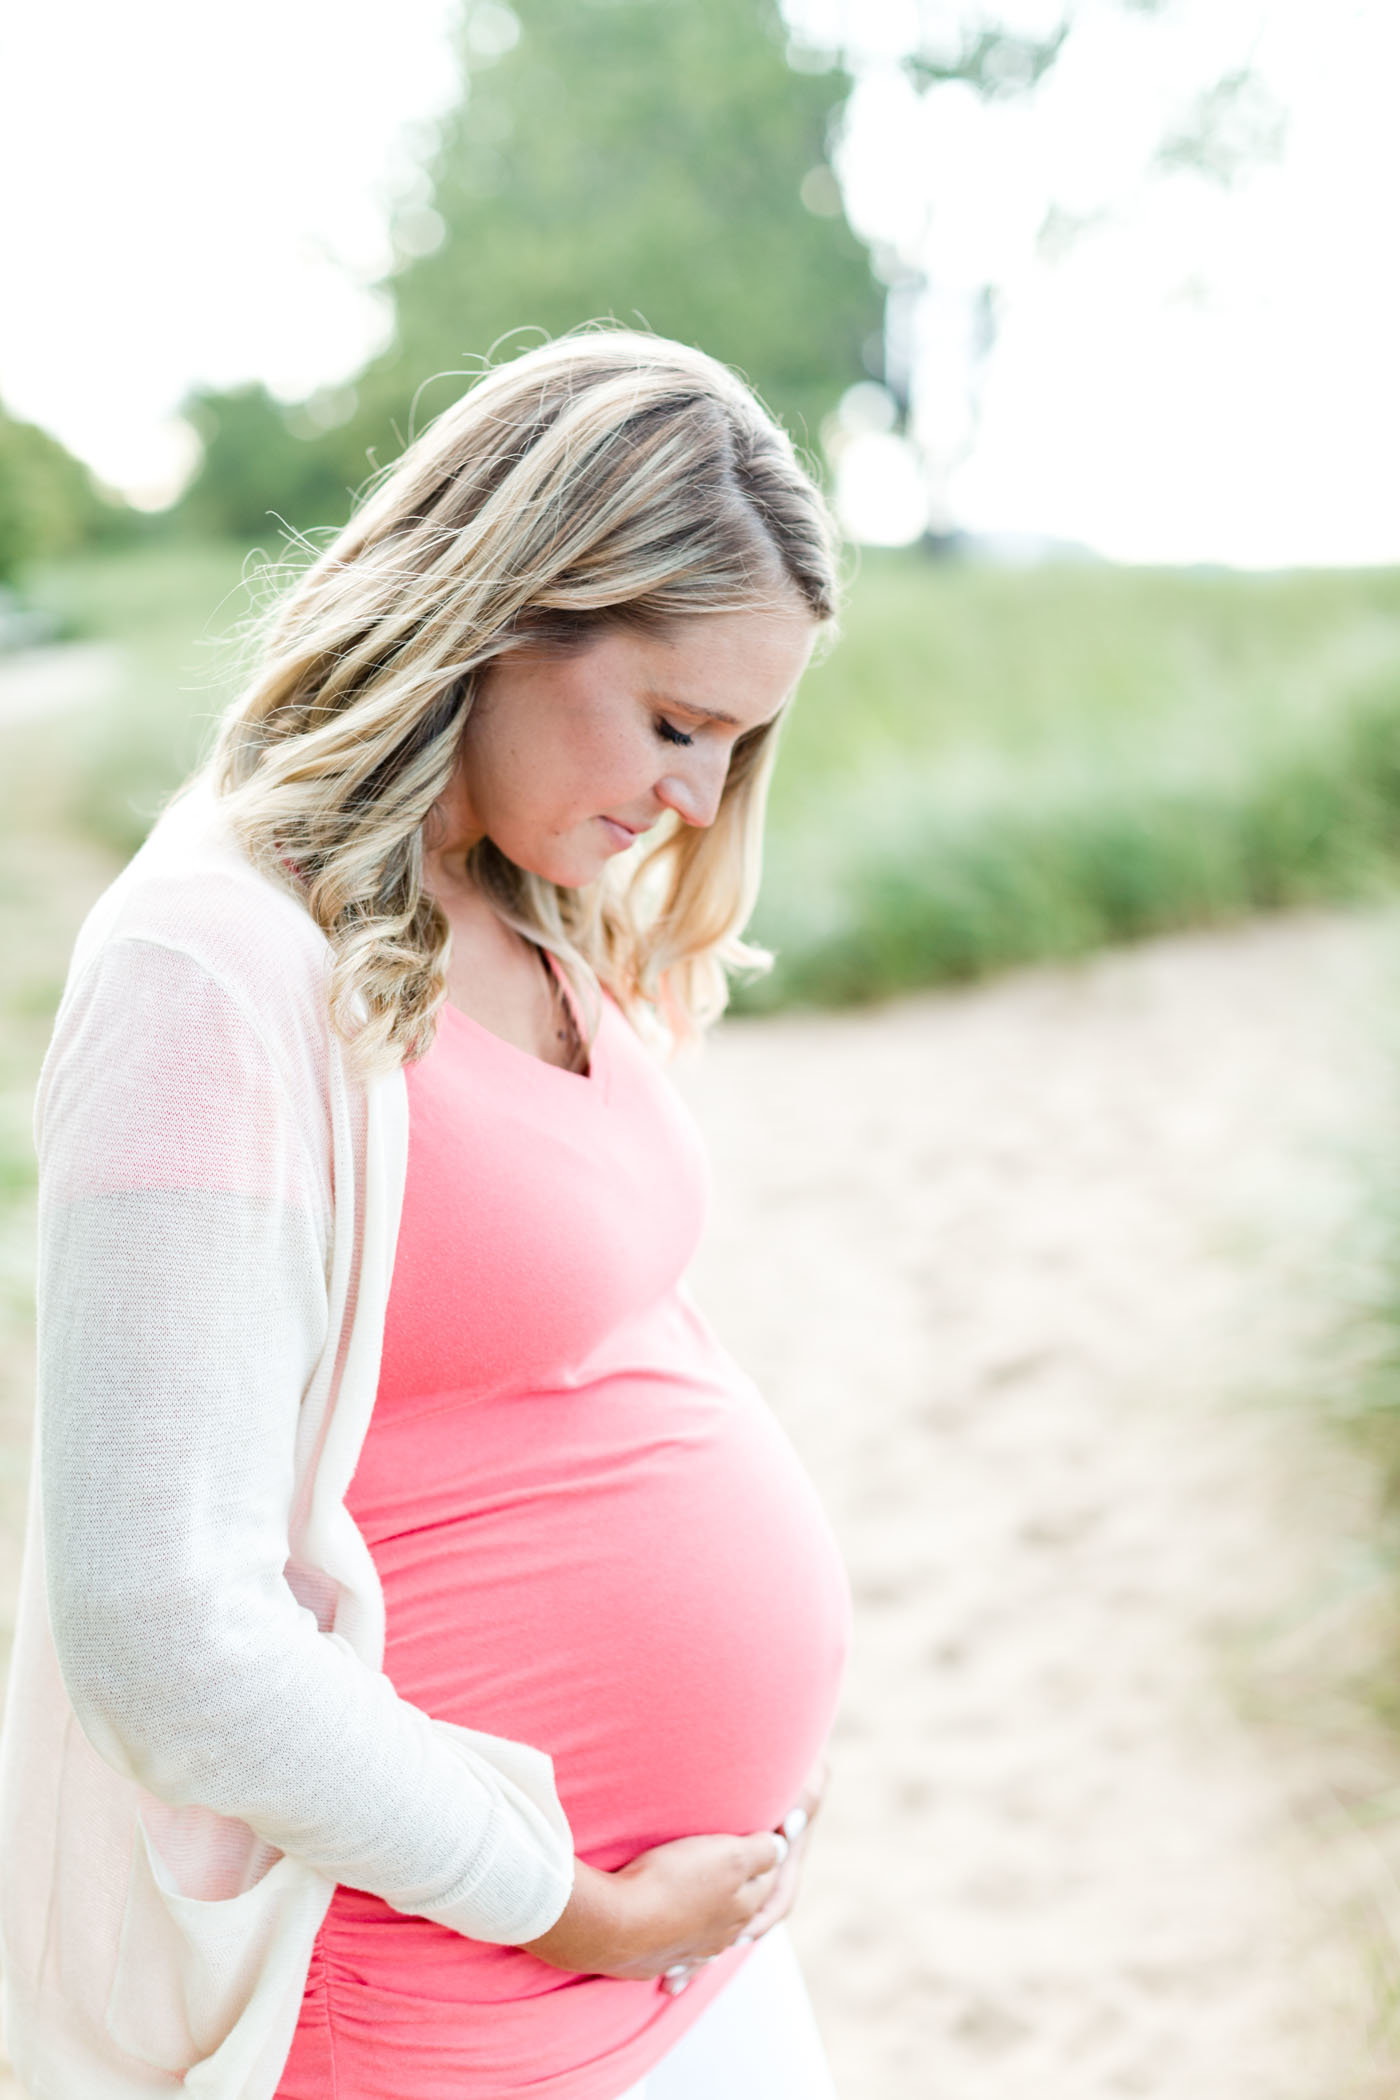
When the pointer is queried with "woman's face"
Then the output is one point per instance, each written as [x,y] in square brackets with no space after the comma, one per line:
[565,759]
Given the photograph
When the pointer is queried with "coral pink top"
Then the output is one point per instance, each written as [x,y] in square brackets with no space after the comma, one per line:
[592,1535]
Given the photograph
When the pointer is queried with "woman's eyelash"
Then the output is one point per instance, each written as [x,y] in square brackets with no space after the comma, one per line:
[670,734]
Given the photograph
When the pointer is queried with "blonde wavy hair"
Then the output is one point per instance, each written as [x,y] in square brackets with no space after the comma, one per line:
[607,479]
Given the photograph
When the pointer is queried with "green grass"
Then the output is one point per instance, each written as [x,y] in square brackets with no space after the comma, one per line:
[994,766]
[998,766]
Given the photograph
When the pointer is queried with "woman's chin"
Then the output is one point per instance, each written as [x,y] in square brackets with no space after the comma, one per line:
[567,871]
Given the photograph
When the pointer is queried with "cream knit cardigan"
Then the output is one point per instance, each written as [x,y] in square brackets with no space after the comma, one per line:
[199,1740]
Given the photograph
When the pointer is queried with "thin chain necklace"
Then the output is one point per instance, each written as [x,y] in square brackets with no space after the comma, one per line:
[567,1033]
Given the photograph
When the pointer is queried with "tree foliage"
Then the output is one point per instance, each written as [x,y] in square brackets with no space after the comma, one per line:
[995,62]
[645,160]
[49,502]
[254,470]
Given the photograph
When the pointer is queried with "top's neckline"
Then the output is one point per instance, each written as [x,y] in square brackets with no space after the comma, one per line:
[590,1078]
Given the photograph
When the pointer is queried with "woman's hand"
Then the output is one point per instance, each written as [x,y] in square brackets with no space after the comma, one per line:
[677,1906]
[670,1907]
[796,1827]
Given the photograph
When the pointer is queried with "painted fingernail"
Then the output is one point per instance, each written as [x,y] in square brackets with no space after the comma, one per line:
[675,1981]
[782,1844]
[744,1939]
[794,1823]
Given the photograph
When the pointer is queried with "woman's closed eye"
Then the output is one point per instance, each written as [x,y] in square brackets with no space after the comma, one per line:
[669,733]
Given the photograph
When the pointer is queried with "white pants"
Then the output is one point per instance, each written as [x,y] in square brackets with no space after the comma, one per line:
[757,2040]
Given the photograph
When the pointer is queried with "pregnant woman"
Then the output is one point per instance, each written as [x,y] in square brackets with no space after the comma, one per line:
[427,1637]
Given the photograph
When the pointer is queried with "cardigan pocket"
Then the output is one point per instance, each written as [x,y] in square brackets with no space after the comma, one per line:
[187,1969]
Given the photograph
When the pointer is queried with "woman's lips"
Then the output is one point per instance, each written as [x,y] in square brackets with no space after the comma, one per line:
[621,833]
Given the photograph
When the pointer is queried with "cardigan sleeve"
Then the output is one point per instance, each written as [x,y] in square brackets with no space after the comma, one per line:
[183,1306]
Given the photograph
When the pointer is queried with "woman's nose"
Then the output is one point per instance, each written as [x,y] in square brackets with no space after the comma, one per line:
[694,795]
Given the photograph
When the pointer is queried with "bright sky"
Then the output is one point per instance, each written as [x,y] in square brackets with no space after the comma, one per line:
[198,192]
[1204,374]
[1197,375]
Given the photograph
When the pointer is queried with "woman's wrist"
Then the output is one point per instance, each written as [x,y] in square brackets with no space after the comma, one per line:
[591,1928]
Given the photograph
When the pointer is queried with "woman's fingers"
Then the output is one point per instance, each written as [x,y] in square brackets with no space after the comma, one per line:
[772,1864]
[769,1848]
[679,1974]
[777,1906]
[792,1841]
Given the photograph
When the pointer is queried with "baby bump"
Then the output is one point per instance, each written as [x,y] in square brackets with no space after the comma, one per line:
[636,1576]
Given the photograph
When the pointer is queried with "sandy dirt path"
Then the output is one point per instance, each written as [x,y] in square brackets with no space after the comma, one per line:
[1020,1268]
[1023,1269]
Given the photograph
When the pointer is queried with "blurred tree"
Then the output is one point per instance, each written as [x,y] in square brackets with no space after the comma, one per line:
[49,502]
[255,471]
[945,301]
[650,160]
[1232,126]
[655,161]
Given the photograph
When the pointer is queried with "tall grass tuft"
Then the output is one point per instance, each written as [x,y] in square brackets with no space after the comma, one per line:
[1000,767]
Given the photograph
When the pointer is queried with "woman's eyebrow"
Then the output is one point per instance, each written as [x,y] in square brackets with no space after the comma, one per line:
[692,707]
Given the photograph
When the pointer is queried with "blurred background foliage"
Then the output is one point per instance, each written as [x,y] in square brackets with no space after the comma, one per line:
[49,502]
[642,160]
[998,763]
[993,766]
